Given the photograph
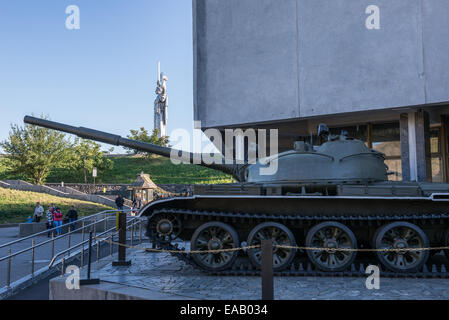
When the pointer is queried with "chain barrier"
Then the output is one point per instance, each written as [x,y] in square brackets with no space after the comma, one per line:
[176,251]
[274,246]
[362,250]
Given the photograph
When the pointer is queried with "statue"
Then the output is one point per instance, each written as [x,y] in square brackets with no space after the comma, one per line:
[161,104]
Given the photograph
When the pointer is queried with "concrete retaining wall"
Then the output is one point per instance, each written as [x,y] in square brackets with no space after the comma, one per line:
[89,188]
[27,229]
[103,291]
[67,193]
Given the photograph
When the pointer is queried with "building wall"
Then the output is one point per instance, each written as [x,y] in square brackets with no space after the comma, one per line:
[269,60]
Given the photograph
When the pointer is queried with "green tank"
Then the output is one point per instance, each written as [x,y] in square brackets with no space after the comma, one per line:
[334,196]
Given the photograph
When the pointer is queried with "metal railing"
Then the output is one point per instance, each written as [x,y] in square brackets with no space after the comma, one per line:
[73,247]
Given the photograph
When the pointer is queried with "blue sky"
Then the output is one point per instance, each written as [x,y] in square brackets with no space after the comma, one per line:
[102,75]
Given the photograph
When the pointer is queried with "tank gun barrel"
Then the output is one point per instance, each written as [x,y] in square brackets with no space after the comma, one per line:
[113,139]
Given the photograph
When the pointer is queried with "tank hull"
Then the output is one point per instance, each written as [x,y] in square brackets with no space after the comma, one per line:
[243,208]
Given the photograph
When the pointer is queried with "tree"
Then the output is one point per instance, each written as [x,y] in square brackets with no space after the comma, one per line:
[87,155]
[142,135]
[33,151]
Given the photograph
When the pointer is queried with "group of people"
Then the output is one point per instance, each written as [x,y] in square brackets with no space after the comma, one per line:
[137,204]
[55,217]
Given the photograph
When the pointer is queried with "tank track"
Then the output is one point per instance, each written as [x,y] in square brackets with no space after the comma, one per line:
[302,267]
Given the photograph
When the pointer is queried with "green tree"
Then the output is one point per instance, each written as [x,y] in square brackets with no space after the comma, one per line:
[32,151]
[143,135]
[87,155]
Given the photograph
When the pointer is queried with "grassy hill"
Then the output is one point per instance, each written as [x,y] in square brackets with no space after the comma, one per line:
[126,168]
[16,206]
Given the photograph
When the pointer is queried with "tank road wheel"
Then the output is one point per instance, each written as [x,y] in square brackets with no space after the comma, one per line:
[331,236]
[214,236]
[402,235]
[280,235]
[166,227]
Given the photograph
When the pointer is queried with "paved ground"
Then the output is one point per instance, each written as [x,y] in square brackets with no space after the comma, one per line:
[163,275]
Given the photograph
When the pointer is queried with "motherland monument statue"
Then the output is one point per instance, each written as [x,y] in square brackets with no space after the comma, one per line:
[161,103]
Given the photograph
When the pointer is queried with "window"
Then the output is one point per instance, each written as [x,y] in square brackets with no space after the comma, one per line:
[386,139]
[436,157]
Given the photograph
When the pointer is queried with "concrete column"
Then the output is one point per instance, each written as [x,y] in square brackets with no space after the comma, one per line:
[415,146]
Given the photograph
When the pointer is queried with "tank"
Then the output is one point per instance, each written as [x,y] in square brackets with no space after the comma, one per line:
[329,209]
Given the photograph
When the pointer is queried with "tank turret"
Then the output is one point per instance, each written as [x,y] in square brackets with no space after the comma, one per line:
[339,160]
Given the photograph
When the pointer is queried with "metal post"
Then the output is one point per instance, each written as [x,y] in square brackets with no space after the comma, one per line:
[82,247]
[110,245]
[105,222]
[132,233]
[8,279]
[267,270]
[122,240]
[140,232]
[68,244]
[32,258]
[95,226]
[52,245]
[62,266]
[89,259]
[98,250]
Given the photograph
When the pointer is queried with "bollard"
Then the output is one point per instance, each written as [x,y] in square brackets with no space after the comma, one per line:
[89,259]
[122,240]
[267,270]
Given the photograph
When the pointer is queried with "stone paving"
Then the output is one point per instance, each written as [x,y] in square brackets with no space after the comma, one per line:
[165,274]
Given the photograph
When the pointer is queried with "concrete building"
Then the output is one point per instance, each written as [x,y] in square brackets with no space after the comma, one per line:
[376,68]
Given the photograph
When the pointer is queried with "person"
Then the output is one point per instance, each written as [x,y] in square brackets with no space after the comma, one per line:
[38,212]
[52,208]
[119,201]
[57,218]
[72,214]
[139,202]
[50,223]
[134,207]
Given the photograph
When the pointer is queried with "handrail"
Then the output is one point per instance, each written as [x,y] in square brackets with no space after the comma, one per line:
[52,229]
[72,250]
[50,240]
[86,241]
[53,239]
